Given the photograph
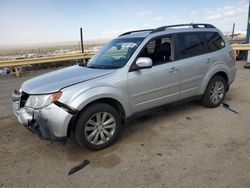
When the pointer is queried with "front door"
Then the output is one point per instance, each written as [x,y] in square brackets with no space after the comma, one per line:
[152,87]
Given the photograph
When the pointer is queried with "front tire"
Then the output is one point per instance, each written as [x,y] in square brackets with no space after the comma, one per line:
[215,92]
[98,126]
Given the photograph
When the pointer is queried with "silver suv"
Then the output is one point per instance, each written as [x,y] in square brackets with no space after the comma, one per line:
[138,71]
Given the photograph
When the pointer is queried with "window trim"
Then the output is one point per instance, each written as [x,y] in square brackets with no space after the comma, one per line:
[172,43]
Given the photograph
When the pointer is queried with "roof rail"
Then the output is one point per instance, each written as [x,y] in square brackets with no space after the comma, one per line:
[136,31]
[194,25]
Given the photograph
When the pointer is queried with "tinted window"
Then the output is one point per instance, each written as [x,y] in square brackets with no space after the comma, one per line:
[189,45]
[214,41]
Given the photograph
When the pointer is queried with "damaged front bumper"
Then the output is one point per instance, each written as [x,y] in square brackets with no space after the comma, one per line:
[50,123]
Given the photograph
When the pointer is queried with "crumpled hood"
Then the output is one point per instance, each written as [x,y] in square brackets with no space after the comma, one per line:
[56,80]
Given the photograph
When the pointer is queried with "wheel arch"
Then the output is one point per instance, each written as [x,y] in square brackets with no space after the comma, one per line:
[221,71]
[107,100]
[223,75]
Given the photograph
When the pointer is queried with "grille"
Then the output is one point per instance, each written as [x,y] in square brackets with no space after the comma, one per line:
[24,98]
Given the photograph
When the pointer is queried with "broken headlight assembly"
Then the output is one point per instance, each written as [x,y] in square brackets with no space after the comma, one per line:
[41,101]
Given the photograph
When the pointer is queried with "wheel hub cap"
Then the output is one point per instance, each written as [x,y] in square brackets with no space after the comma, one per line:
[217,92]
[100,128]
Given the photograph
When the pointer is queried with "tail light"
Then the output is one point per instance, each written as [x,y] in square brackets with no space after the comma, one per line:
[232,55]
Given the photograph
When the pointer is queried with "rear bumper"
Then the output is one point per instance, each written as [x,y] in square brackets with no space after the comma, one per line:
[232,75]
[50,123]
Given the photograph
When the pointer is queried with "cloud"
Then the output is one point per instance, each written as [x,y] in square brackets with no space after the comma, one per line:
[158,18]
[227,12]
[115,33]
[206,9]
[25,33]
[146,25]
[222,17]
[192,13]
[214,17]
[143,13]
[111,33]
[230,12]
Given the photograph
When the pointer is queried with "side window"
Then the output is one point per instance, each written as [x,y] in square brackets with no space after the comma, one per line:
[164,49]
[213,40]
[151,47]
[159,50]
[189,45]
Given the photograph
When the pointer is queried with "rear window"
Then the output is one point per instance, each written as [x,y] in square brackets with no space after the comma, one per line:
[213,40]
[189,44]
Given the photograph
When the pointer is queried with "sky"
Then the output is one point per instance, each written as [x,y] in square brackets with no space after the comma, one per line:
[45,21]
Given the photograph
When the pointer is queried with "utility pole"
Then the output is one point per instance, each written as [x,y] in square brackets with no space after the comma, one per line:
[82,48]
[248,36]
[248,26]
[232,37]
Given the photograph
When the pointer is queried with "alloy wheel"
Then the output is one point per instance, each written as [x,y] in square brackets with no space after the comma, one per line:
[100,128]
[217,92]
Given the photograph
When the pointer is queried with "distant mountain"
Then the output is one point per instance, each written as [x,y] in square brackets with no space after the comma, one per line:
[52,44]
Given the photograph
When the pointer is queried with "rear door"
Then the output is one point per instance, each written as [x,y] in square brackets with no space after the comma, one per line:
[192,54]
[216,46]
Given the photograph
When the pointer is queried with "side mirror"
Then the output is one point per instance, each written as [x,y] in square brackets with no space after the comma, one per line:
[144,62]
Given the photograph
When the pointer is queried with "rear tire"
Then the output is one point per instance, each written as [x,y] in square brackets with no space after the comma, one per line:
[215,92]
[98,126]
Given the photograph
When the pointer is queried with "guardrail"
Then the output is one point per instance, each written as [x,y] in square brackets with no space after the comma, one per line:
[80,56]
[51,59]
[244,47]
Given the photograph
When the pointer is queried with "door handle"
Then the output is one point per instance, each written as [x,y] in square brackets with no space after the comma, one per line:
[173,69]
[210,60]
[213,60]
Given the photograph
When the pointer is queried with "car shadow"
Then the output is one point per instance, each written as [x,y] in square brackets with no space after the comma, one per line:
[136,131]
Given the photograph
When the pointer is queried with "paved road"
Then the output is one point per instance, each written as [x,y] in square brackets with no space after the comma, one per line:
[184,146]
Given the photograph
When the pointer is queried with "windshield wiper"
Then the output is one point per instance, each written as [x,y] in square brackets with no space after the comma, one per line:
[95,67]
[82,64]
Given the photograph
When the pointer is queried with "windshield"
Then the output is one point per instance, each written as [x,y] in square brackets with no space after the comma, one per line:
[115,54]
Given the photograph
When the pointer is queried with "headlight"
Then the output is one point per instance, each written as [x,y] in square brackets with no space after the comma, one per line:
[40,101]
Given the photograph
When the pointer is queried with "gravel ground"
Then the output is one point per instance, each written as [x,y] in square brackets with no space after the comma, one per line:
[182,146]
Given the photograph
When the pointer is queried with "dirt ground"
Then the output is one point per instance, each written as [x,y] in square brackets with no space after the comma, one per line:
[183,146]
